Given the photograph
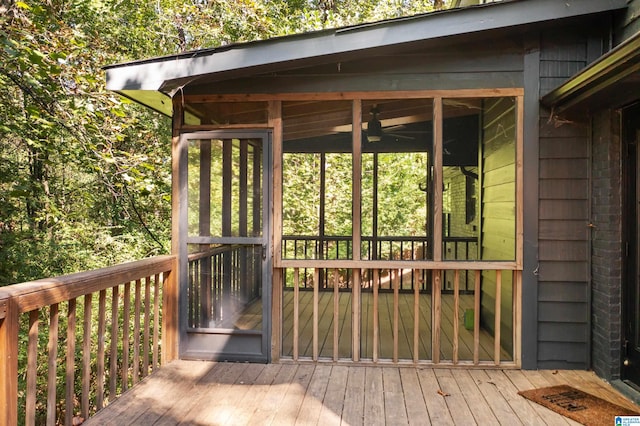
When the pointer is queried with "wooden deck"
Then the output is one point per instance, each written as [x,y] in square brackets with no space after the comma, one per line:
[207,393]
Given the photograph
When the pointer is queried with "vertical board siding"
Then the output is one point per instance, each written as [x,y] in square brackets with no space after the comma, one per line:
[498,212]
[563,269]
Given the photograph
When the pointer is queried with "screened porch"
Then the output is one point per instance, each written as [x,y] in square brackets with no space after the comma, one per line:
[399,242]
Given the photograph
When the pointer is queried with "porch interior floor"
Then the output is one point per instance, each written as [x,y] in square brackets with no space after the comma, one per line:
[210,393]
[405,340]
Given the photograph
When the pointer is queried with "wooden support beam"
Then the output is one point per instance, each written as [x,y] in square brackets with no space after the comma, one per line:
[437,178]
[356,216]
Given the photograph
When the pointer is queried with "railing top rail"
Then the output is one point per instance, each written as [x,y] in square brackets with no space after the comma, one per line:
[44,292]
[420,238]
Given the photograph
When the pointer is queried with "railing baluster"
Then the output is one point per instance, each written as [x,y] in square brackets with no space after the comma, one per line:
[70,364]
[336,315]
[147,323]
[497,337]
[296,312]
[437,314]
[455,318]
[396,312]
[102,302]
[376,324]
[113,350]
[477,290]
[156,322]
[316,294]
[32,366]
[126,311]
[136,332]
[86,357]
[416,317]
[52,349]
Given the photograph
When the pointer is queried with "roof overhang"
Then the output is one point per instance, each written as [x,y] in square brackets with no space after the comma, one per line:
[611,81]
[153,82]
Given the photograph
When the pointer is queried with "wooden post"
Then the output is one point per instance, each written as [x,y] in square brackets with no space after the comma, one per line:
[171,280]
[437,179]
[275,122]
[170,333]
[356,215]
[9,365]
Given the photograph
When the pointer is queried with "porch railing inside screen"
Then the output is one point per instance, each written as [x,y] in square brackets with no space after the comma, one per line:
[382,248]
[222,281]
[379,321]
[397,314]
[71,345]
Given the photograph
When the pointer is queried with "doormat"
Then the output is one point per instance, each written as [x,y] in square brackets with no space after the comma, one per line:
[578,405]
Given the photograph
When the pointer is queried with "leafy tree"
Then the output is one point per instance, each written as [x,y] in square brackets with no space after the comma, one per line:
[85,175]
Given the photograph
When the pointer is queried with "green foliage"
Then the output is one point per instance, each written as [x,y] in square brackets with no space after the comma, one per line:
[85,176]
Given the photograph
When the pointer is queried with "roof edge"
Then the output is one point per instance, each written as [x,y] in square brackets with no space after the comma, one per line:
[608,69]
[152,74]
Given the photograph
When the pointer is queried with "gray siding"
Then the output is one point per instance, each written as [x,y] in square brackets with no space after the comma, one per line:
[563,270]
[629,22]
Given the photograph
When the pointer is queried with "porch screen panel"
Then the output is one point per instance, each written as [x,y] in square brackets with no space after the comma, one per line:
[397,147]
[317,224]
[479,203]
[317,182]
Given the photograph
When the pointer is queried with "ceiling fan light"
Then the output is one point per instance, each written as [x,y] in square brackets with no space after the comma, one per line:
[374,129]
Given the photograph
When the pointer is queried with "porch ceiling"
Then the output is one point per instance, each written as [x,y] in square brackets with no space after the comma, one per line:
[150,82]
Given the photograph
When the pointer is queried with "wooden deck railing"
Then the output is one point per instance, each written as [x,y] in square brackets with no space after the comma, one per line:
[63,358]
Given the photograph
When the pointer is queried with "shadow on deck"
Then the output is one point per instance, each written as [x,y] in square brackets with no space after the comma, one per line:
[209,393]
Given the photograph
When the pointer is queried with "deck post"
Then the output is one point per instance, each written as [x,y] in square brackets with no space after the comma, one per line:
[9,365]
[170,326]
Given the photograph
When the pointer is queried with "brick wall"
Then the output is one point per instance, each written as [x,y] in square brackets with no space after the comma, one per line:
[606,249]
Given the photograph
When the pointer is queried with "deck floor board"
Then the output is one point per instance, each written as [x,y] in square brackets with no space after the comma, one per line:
[209,393]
